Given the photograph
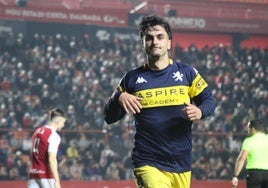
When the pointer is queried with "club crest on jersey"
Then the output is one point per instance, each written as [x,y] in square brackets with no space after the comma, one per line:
[140,80]
[177,76]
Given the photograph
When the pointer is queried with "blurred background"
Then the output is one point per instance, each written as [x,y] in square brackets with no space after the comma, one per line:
[72,53]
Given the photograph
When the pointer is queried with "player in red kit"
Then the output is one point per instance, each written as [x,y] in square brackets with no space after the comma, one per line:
[45,142]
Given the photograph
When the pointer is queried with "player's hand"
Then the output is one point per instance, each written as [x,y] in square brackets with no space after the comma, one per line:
[191,111]
[57,184]
[130,103]
[234,182]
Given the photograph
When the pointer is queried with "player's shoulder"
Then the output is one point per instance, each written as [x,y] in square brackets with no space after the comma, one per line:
[46,128]
[182,65]
[184,68]
[137,70]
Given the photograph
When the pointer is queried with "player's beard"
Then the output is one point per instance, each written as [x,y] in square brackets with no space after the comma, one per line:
[154,53]
[154,56]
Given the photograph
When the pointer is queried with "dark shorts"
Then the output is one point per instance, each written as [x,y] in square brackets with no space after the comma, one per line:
[257,178]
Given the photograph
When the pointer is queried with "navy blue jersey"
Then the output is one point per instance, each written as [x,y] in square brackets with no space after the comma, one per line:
[163,133]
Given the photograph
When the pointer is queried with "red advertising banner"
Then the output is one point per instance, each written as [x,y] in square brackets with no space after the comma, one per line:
[93,16]
[223,25]
[122,184]
[210,24]
[121,18]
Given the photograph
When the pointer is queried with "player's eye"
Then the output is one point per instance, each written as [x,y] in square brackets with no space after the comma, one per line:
[148,38]
[160,37]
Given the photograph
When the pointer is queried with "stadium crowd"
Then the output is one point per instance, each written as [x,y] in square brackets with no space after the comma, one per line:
[79,74]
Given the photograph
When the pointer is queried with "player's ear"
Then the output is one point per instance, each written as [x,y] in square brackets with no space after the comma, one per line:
[169,44]
[143,43]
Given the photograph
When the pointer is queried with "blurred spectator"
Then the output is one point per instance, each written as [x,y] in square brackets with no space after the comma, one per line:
[4,173]
[107,156]
[72,151]
[83,143]
[112,172]
[76,170]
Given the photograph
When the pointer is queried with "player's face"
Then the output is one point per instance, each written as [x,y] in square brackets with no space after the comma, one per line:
[156,42]
[60,122]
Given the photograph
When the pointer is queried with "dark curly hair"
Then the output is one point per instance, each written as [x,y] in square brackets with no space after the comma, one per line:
[151,21]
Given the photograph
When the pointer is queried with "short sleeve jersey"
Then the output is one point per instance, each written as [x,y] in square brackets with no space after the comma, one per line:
[257,148]
[44,140]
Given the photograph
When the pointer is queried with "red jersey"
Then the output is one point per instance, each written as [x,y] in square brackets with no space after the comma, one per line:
[44,140]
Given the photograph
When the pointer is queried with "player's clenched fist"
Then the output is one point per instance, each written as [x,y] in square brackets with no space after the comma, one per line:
[192,112]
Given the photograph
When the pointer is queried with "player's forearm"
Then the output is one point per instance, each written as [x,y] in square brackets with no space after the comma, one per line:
[55,173]
[206,103]
[240,162]
[53,164]
[112,110]
[238,166]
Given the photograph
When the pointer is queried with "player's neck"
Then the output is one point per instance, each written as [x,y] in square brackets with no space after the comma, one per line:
[158,64]
[53,126]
